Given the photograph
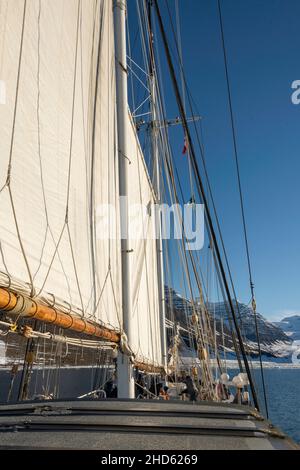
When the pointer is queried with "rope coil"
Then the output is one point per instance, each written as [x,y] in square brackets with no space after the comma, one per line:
[124,346]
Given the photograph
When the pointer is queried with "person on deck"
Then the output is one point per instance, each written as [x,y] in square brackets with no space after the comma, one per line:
[140,386]
[191,388]
[163,393]
[111,389]
[238,397]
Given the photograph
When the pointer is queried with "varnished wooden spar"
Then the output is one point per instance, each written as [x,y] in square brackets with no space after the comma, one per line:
[44,313]
[150,368]
[37,311]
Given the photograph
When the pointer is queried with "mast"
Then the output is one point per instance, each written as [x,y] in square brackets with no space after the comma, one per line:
[156,183]
[125,368]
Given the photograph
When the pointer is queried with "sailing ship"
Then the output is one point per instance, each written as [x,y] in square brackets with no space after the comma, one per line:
[78,151]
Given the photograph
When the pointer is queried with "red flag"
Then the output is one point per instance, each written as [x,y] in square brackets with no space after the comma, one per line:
[185,146]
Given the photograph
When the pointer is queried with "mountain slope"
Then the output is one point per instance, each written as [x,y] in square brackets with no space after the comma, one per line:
[291,326]
[274,341]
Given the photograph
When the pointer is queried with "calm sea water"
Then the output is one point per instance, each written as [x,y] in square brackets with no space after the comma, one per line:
[283,390]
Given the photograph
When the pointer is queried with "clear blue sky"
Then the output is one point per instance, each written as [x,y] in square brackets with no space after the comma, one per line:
[263,46]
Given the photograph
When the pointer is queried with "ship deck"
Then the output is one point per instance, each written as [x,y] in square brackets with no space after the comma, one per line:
[136,425]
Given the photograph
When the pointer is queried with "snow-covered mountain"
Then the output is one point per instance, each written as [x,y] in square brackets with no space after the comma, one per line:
[275,343]
[178,307]
[291,326]
[268,332]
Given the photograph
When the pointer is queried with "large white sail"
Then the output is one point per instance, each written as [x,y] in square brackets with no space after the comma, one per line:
[59,165]
[144,278]
[58,151]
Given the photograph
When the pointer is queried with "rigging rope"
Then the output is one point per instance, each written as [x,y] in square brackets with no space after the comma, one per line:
[173,195]
[210,193]
[201,148]
[11,151]
[241,201]
[203,196]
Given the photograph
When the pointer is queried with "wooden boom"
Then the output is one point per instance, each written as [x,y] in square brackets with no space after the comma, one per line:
[44,313]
